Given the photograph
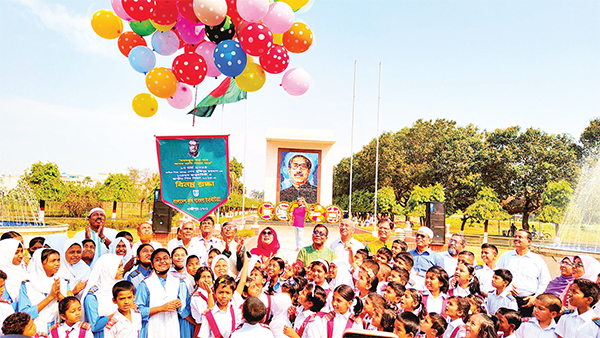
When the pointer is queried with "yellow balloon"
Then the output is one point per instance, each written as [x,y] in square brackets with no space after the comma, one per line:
[144,105]
[161,82]
[278,38]
[295,4]
[162,28]
[252,78]
[107,24]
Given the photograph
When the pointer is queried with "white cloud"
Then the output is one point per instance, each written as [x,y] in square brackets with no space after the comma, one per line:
[75,27]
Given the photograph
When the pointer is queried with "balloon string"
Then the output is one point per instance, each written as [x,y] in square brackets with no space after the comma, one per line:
[195,98]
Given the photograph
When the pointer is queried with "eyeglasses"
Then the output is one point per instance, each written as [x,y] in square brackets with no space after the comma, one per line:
[267,233]
[566,264]
[386,229]
[319,233]
[418,235]
[301,166]
[578,265]
[229,227]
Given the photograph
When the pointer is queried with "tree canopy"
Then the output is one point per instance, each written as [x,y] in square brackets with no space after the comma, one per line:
[44,180]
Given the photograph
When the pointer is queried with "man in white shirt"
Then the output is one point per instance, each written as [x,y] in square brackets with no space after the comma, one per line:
[96,231]
[530,272]
[346,246]
[146,234]
[456,244]
[229,247]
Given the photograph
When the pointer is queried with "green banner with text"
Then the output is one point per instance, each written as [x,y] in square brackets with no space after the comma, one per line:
[194,172]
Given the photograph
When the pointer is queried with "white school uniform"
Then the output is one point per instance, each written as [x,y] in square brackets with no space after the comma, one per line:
[455,325]
[300,318]
[279,310]
[62,329]
[459,291]
[493,302]
[6,309]
[198,304]
[573,324]
[436,304]
[120,327]
[317,328]
[225,320]
[163,324]
[530,328]
[252,331]
[485,274]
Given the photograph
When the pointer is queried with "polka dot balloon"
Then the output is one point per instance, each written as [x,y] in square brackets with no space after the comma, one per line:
[210,12]
[256,39]
[190,68]
[139,10]
[298,38]
[128,40]
[161,82]
[165,12]
[276,60]
[230,58]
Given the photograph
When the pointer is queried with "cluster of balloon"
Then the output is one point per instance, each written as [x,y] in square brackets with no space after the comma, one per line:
[213,37]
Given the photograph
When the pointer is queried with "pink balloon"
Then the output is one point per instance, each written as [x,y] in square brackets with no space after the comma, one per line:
[252,10]
[182,97]
[295,81]
[117,6]
[280,17]
[189,32]
[206,50]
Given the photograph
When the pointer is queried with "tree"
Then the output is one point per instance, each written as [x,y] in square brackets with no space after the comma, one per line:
[44,180]
[257,195]
[117,187]
[465,194]
[590,137]
[386,201]
[235,174]
[80,199]
[420,195]
[518,166]
[145,182]
[554,201]
[486,207]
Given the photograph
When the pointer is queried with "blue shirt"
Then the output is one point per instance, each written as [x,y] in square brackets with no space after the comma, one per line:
[97,322]
[425,260]
[14,304]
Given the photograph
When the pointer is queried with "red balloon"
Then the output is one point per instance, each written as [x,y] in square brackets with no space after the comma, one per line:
[276,60]
[256,39]
[165,12]
[233,13]
[186,9]
[139,10]
[128,40]
[190,68]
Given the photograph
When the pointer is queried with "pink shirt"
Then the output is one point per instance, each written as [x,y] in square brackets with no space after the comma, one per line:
[299,215]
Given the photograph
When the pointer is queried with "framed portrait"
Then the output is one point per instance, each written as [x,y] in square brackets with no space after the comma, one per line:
[299,173]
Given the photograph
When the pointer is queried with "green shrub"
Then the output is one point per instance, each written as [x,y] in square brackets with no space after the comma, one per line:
[246,233]
[365,238]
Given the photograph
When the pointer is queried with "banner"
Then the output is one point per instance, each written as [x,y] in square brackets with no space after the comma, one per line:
[194,173]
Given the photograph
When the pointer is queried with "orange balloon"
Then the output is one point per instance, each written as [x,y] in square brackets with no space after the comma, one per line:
[298,38]
[161,82]
[128,40]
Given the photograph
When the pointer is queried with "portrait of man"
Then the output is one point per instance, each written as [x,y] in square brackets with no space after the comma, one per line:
[299,176]
[193,144]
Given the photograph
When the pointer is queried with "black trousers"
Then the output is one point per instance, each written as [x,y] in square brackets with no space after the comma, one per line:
[524,311]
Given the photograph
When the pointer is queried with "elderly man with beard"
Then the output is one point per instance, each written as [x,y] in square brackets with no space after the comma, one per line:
[456,244]
[346,246]
[385,229]
[424,258]
[146,234]
[96,231]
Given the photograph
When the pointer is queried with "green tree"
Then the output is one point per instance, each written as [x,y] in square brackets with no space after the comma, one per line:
[386,201]
[117,187]
[235,174]
[554,201]
[80,199]
[465,194]
[420,195]
[590,137]
[518,166]
[44,180]
[486,207]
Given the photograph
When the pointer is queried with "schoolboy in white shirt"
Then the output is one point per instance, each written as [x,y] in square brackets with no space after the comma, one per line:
[501,296]
[581,322]
[253,312]
[126,322]
[547,307]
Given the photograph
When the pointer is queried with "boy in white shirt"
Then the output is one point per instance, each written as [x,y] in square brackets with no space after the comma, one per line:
[253,312]
[546,309]
[581,322]
[126,322]
[508,322]
[501,296]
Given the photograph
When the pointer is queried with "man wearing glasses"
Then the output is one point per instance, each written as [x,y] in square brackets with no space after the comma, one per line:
[385,229]
[346,246]
[530,272]
[424,257]
[230,247]
[299,168]
[317,250]
[456,244]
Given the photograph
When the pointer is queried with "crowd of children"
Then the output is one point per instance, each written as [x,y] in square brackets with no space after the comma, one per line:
[224,294]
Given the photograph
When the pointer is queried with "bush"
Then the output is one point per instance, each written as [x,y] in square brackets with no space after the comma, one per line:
[246,233]
[365,238]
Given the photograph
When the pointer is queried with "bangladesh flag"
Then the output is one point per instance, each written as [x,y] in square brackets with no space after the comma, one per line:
[226,92]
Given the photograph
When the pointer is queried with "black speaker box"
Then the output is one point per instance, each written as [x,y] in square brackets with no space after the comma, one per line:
[161,215]
[435,219]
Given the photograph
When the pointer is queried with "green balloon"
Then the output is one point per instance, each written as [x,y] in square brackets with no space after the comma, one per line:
[142,28]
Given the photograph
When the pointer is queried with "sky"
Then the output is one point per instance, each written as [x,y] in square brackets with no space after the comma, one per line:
[66,93]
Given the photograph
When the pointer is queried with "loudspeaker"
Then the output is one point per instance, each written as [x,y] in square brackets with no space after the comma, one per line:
[435,219]
[161,215]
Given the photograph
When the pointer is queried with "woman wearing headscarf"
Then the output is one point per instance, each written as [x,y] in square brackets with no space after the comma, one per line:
[43,289]
[121,247]
[55,241]
[220,266]
[560,283]
[341,269]
[72,267]
[97,296]
[267,246]
[586,267]
[11,256]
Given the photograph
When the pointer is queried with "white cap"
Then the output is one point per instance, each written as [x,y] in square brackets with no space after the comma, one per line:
[96,209]
[427,231]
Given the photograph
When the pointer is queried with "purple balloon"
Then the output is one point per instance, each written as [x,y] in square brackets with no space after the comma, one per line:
[252,10]
[206,50]
[189,32]
[165,43]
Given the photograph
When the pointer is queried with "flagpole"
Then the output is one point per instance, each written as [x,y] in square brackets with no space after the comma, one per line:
[245,164]
[195,102]
[377,152]
[222,125]
[352,143]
